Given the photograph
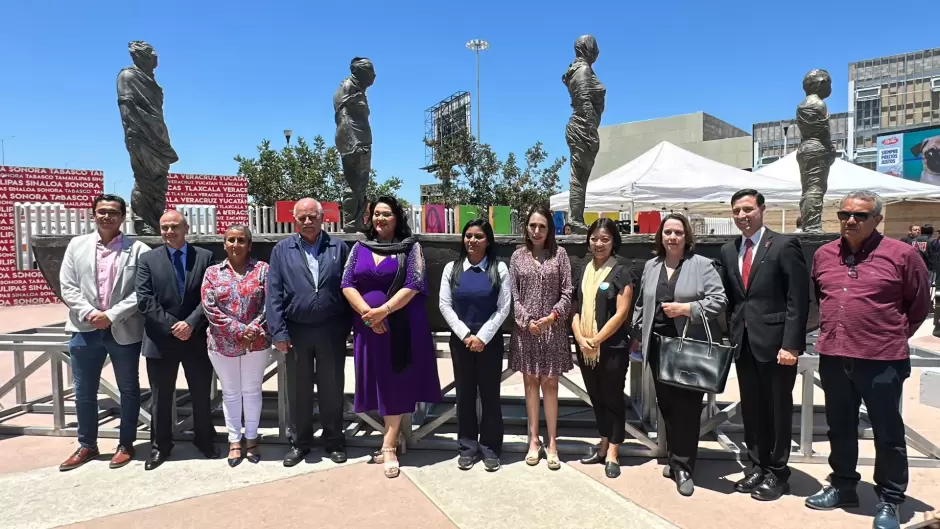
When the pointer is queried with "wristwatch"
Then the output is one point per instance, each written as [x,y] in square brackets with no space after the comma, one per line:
[469,334]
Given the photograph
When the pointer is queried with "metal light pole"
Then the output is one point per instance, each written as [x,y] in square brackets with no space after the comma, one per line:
[478,45]
[785,129]
[3,152]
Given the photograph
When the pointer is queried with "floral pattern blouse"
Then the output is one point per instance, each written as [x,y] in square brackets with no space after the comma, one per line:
[233,304]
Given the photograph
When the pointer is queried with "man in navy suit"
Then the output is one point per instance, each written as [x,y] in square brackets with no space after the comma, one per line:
[169,296]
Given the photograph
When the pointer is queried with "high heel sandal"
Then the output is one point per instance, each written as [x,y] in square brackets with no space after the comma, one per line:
[552,460]
[533,457]
[392,468]
[252,454]
[378,457]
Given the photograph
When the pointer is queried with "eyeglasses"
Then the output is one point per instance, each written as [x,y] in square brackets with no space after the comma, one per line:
[107,213]
[312,217]
[860,216]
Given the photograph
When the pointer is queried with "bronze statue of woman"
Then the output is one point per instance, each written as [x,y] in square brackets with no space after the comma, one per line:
[140,100]
[587,103]
[816,152]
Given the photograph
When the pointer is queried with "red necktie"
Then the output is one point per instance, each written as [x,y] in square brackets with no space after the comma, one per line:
[746,262]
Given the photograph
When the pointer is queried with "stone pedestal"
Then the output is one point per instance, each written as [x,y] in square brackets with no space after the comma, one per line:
[438,251]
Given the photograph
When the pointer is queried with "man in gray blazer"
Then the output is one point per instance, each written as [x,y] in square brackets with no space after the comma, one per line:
[98,277]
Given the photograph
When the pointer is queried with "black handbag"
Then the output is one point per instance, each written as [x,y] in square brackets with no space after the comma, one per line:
[693,364]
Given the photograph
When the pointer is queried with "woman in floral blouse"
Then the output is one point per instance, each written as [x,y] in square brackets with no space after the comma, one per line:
[233,298]
[540,277]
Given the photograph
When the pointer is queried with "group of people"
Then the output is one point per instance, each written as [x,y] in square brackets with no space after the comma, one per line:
[176,306]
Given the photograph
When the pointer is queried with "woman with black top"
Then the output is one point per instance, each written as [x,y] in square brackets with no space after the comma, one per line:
[677,287]
[475,299]
[602,305]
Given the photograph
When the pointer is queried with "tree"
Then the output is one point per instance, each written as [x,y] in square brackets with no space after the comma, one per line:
[299,171]
[472,174]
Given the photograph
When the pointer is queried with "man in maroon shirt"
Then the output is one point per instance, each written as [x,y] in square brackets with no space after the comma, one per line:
[873,295]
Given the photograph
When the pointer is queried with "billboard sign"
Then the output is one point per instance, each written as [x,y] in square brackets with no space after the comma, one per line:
[73,188]
[890,157]
[229,195]
[911,155]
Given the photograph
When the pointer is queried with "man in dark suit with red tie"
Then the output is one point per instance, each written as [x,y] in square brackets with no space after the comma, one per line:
[767,284]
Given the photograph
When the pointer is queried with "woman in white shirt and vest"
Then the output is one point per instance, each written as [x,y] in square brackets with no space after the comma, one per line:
[475,299]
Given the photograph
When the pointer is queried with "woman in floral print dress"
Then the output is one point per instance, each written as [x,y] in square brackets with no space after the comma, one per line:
[540,277]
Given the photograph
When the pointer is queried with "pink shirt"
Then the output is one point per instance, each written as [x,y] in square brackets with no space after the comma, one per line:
[106,261]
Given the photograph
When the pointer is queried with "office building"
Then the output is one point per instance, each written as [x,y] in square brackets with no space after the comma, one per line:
[890,95]
[775,139]
[698,132]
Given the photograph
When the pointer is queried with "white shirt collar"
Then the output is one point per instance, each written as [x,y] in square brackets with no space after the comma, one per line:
[467,265]
[755,239]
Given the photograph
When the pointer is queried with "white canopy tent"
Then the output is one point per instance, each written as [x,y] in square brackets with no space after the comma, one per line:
[843,178]
[671,177]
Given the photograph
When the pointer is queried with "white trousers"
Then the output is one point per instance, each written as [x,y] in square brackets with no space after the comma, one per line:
[241,378]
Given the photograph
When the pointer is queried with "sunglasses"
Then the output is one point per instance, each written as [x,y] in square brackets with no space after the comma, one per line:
[860,216]
[852,269]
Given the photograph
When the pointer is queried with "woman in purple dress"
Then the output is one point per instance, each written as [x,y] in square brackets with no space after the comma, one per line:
[385,281]
[540,276]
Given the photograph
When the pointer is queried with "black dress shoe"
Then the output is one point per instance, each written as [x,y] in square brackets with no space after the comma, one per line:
[338,456]
[611,469]
[595,458]
[750,482]
[832,498]
[684,483]
[491,464]
[465,462]
[887,517]
[156,459]
[771,489]
[295,455]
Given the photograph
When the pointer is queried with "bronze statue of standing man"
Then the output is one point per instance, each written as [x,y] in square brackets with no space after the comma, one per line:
[816,152]
[354,139]
[587,102]
[140,100]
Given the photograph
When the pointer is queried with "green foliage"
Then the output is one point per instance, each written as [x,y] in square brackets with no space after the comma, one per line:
[472,174]
[299,171]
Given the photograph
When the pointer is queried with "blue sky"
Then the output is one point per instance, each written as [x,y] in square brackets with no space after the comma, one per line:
[236,72]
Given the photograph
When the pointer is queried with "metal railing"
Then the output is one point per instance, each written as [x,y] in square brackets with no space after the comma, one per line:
[30,218]
[431,425]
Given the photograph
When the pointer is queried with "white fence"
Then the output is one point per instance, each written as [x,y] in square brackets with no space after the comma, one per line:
[261,220]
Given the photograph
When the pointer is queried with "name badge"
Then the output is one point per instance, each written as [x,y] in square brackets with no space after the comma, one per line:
[605,285]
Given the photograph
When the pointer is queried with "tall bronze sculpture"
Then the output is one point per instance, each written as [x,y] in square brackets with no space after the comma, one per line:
[140,100]
[354,139]
[816,152]
[587,103]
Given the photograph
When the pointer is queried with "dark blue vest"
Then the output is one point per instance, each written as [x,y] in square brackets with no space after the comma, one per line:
[475,298]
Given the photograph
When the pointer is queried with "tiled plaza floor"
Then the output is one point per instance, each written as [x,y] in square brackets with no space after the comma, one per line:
[431,493]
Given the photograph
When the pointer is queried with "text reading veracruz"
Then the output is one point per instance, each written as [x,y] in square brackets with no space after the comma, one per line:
[229,195]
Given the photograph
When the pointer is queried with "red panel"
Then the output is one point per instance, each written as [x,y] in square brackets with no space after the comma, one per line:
[75,188]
